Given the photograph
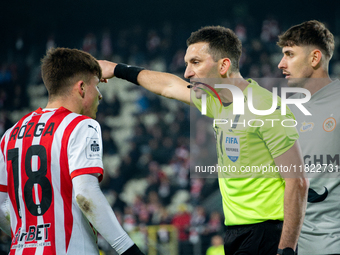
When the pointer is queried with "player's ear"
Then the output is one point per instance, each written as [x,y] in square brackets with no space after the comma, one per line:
[316,57]
[224,66]
[80,87]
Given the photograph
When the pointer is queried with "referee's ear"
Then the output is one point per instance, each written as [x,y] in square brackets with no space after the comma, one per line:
[224,65]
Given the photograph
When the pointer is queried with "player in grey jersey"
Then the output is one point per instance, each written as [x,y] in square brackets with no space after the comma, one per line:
[307,49]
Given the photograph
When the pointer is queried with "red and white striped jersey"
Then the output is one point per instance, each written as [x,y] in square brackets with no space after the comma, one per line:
[39,157]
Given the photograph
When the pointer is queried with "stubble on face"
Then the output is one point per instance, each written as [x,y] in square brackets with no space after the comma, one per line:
[200,65]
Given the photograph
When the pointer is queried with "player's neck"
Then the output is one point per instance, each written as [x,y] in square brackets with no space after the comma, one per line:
[317,84]
[66,103]
[317,81]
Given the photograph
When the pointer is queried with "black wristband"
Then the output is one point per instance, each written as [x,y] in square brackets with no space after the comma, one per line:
[127,72]
[286,251]
[133,250]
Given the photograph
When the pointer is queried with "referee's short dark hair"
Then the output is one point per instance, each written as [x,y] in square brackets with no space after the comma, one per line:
[61,67]
[309,33]
[223,43]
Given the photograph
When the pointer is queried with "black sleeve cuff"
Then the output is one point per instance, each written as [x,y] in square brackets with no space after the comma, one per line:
[133,250]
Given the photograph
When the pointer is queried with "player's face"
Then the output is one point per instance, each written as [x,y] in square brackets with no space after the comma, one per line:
[199,64]
[295,65]
[91,98]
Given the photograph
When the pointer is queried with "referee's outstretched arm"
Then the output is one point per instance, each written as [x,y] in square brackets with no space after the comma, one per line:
[164,84]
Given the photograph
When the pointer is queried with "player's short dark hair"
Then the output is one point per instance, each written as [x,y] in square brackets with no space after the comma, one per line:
[61,67]
[309,33]
[223,43]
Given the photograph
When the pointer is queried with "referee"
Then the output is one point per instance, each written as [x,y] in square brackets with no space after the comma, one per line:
[262,215]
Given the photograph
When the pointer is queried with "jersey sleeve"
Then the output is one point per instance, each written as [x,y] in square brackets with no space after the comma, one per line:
[85,149]
[279,132]
[3,171]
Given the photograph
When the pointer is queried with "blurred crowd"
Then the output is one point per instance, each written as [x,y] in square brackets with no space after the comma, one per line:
[146,138]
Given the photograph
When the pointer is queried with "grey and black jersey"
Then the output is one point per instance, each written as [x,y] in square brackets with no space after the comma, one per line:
[320,144]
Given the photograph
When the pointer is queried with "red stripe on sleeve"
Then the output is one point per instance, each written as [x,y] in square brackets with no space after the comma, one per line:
[3,188]
[89,170]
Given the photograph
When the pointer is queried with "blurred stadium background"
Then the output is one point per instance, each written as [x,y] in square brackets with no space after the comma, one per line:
[146,138]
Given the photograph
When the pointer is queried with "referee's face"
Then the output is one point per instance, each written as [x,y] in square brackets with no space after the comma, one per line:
[199,64]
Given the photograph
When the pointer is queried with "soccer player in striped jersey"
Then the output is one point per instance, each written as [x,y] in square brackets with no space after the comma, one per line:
[307,49]
[51,166]
[254,208]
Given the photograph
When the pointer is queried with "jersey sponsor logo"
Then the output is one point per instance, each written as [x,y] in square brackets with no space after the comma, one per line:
[306,126]
[30,245]
[95,128]
[329,124]
[322,159]
[35,233]
[314,197]
[232,147]
[93,149]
